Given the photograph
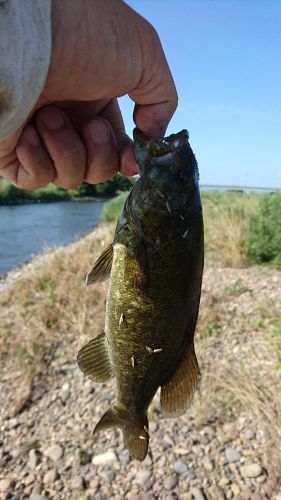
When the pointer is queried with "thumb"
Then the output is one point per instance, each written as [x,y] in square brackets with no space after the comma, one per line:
[153,119]
[155,95]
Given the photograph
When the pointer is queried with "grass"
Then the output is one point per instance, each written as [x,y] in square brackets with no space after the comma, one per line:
[50,306]
[112,208]
[241,367]
[226,218]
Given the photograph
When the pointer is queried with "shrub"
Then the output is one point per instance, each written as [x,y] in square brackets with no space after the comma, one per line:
[263,243]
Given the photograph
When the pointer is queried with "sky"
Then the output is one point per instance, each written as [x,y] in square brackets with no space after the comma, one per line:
[225,57]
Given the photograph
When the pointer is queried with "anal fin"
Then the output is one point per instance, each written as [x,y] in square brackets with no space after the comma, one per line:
[93,359]
[177,393]
[102,267]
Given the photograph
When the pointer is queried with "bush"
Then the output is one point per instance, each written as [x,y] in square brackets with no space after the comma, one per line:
[263,242]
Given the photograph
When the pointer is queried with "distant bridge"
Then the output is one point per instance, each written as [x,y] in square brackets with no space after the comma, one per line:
[222,187]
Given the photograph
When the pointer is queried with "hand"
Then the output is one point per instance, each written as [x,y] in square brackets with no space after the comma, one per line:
[101,49]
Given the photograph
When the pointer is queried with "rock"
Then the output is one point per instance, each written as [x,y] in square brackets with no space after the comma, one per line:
[107,475]
[197,494]
[235,489]
[109,457]
[153,426]
[232,455]
[30,479]
[13,423]
[50,476]
[251,470]
[37,488]
[65,392]
[256,496]
[245,494]
[37,497]
[179,450]
[54,452]
[94,484]
[207,464]
[170,482]
[33,459]
[224,481]
[77,482]
[145,496]
[216,493]
[157,487]
[261,479]
[142,476]
[5,484]
[180,467]
[231,432]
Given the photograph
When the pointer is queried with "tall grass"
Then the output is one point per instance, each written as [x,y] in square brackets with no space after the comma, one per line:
[226,219]
[112,208]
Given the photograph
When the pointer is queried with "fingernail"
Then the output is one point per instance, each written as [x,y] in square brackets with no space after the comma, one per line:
[99,132]
[31,137]
[52,119]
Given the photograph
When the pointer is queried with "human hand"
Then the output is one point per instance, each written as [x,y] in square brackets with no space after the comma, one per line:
[101,49]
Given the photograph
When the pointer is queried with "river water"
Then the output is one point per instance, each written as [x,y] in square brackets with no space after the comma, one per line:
[28,229]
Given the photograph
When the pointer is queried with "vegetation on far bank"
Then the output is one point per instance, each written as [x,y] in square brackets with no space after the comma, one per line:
[10,194]
[240,228]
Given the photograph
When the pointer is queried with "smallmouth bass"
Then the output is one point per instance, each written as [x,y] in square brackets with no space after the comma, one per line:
[155,267]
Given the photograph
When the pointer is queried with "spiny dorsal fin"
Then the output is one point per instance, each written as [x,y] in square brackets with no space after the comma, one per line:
[102,267]
[93,359]
[177,394]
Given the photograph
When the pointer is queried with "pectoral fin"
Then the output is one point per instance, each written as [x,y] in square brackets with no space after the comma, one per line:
[93,359]
[102,267]
[177,393]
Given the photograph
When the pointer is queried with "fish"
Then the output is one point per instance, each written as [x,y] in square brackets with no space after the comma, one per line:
[155,266]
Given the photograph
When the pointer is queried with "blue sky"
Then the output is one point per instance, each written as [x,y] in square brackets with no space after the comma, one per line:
[225,56]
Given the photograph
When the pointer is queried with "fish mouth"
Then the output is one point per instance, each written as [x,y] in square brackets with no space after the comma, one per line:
[161,147]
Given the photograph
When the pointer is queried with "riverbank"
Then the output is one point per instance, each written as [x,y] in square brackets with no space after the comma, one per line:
[10,195]
[227,445]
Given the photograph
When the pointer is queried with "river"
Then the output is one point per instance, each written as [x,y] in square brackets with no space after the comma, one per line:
[29,229]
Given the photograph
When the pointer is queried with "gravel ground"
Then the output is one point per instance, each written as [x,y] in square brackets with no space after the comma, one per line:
[47,450]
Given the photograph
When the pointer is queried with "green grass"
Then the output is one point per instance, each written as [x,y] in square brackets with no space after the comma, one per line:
[112,208]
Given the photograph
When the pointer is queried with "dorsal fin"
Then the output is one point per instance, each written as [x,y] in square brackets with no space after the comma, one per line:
[177,393]
[102,267]
[93,359]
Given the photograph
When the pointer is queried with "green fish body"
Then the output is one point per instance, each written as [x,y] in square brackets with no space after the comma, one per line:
[155,265]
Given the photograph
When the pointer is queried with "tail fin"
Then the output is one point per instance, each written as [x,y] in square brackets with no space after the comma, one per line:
[135,431]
